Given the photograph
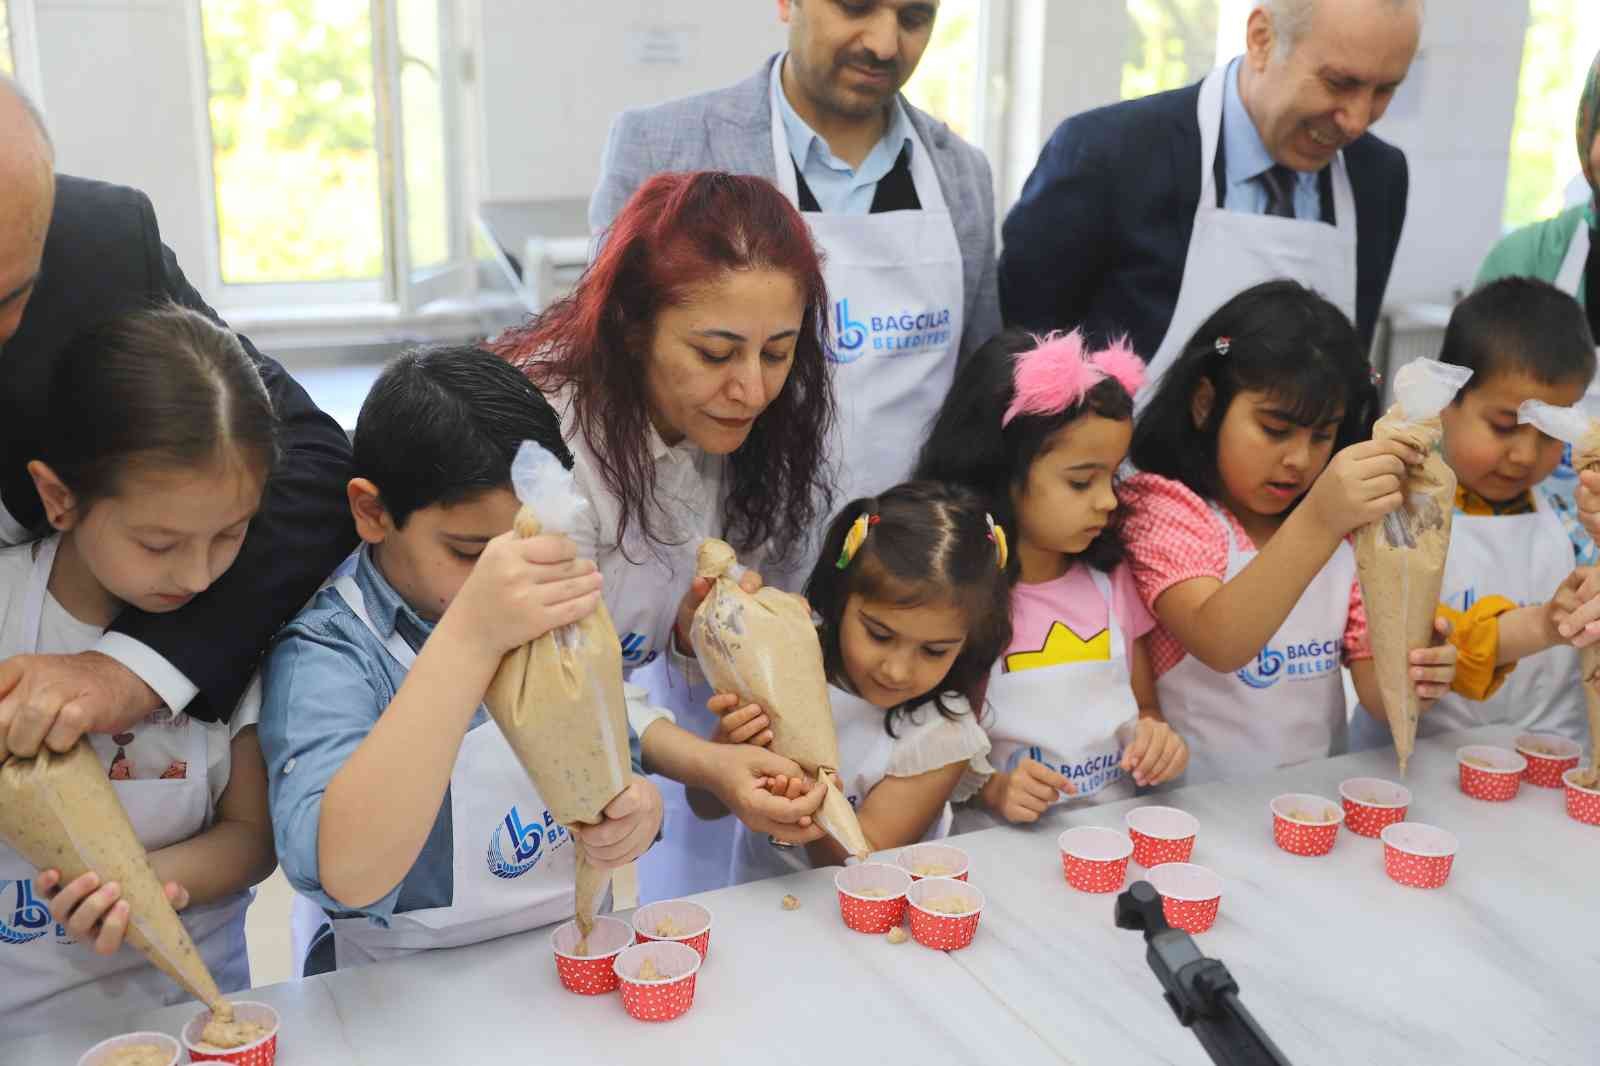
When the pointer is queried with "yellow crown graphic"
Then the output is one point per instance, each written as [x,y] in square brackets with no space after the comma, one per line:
[1062,646]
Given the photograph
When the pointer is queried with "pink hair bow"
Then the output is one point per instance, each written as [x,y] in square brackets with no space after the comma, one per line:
[1058,374]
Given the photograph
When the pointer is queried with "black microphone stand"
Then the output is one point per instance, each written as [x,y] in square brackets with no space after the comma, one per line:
[1200,990]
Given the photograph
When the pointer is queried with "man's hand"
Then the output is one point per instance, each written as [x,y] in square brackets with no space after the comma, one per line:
[50,701]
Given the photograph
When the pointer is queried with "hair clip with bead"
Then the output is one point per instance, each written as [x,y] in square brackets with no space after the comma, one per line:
[997,537]
[854,538]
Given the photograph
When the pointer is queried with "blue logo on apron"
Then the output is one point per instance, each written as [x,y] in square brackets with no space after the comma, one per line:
[528,842]
[848,334]
[1087,776]
[28,920]
[1266,671]
[1298,662]
[636,649]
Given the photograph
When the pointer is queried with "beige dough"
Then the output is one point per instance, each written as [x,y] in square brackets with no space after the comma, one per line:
[791,903]
[649,972]
[874,893]
[932,871]
[897,935]
[947,905]
[668,927]
[137,1055]
[223,1035]
[1473,760]
[1329,815]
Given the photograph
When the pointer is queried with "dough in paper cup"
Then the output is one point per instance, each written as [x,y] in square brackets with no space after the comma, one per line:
[933,860]
[591,974]
[102,1054]
[663,998]
[935,927]
[1490,773]
[690,920]
[1371,803]
[1583,804]
[872,896]
[262,1052]
[1161,835]
[1304,824]
[1549,756]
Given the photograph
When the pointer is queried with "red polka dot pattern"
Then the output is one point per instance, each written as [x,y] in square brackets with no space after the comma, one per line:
[1583,804]
[660,1000]
[588,977]
[943,932]
[866,915]
[1545,770]
[1489,785]
[1191,915]
[263,1052]
[1366,820]
[1297,838]
[1151,851]
[1092,875]
[1416,871]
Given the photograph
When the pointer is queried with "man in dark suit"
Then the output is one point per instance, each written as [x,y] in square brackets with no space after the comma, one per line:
[73,252]
[1144,217]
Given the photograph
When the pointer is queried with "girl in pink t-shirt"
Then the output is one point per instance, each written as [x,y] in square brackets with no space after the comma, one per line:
[1255,466]
[1040,428]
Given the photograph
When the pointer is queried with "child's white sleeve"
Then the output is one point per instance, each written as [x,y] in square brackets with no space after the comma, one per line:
[930,741]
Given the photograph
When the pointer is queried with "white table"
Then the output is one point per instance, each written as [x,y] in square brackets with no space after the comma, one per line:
[1338,963]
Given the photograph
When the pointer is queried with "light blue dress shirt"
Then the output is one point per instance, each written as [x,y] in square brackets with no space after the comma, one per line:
[325,683]
[1247,158]
[839,188]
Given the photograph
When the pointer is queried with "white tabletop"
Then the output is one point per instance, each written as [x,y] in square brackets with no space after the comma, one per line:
[1338,963]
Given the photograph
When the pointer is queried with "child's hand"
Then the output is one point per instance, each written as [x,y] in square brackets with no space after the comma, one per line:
[739,725]
[1360,485]
[1574,611]
[699,589]
[89,910]
[1433,669]
[1026,792]
[742,777]
[1157,754]
[631,823]
[523,587]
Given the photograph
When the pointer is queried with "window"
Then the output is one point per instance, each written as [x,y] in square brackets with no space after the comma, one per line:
[947,80]
[331,157]
[7,63]
[1563,37]
[1170,44]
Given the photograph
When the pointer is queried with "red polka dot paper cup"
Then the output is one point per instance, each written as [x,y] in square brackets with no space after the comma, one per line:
[102,1053]
[1418,855]
[872,896]
[263,1052]
[1161,835]
[1583,802]
[666,996]
[675,919]
[1094,859]
[933,860]
[1371,804]
[944,912]
[1549,756]
[1190,895]
[1490,773]
[590,974]
[1303,824]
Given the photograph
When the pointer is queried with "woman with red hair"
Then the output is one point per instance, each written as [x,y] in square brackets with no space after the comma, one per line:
[689,367]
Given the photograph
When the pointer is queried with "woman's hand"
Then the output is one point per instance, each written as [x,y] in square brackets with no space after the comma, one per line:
[699,589]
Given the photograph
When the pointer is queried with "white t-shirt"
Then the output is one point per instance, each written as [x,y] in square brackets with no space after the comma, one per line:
[156,747]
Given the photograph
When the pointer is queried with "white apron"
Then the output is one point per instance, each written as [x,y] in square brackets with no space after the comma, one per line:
[1523,558]
[1570,281]
[895,283]
[1288,706]
[514,867]
[694,852]
[865,749]
[1232,251]
[1076,718]
[46,977]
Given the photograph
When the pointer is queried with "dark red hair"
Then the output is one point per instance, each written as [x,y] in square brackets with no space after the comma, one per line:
[676,233]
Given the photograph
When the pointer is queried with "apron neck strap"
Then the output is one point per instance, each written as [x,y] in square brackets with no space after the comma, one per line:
[38,585]
[394,643]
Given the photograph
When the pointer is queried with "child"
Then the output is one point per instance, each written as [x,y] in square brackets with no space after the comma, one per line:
[398,805]
[161,441]
[911,591]
[1039,428]
[1255,467]
[1511,542]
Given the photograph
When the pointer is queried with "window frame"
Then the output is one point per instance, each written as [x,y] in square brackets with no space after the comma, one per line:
[397,286]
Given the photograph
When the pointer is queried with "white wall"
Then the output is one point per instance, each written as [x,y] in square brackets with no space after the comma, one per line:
[122,102]
[550,85]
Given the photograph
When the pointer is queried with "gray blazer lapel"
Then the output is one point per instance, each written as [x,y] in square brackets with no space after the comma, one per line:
[739,126]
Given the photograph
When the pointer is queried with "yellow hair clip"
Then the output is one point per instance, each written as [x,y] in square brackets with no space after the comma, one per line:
[854,538]
[997,536]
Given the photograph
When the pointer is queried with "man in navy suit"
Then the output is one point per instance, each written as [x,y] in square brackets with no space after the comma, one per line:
[1146,216]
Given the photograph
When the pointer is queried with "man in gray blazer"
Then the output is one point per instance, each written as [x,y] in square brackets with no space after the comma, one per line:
[841,80]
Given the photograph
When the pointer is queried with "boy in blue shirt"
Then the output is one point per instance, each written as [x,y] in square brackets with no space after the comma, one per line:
[397,804]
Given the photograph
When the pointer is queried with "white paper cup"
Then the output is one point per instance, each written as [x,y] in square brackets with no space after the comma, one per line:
[692,921]
[879,878]
[101,1052]
[243,1010]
